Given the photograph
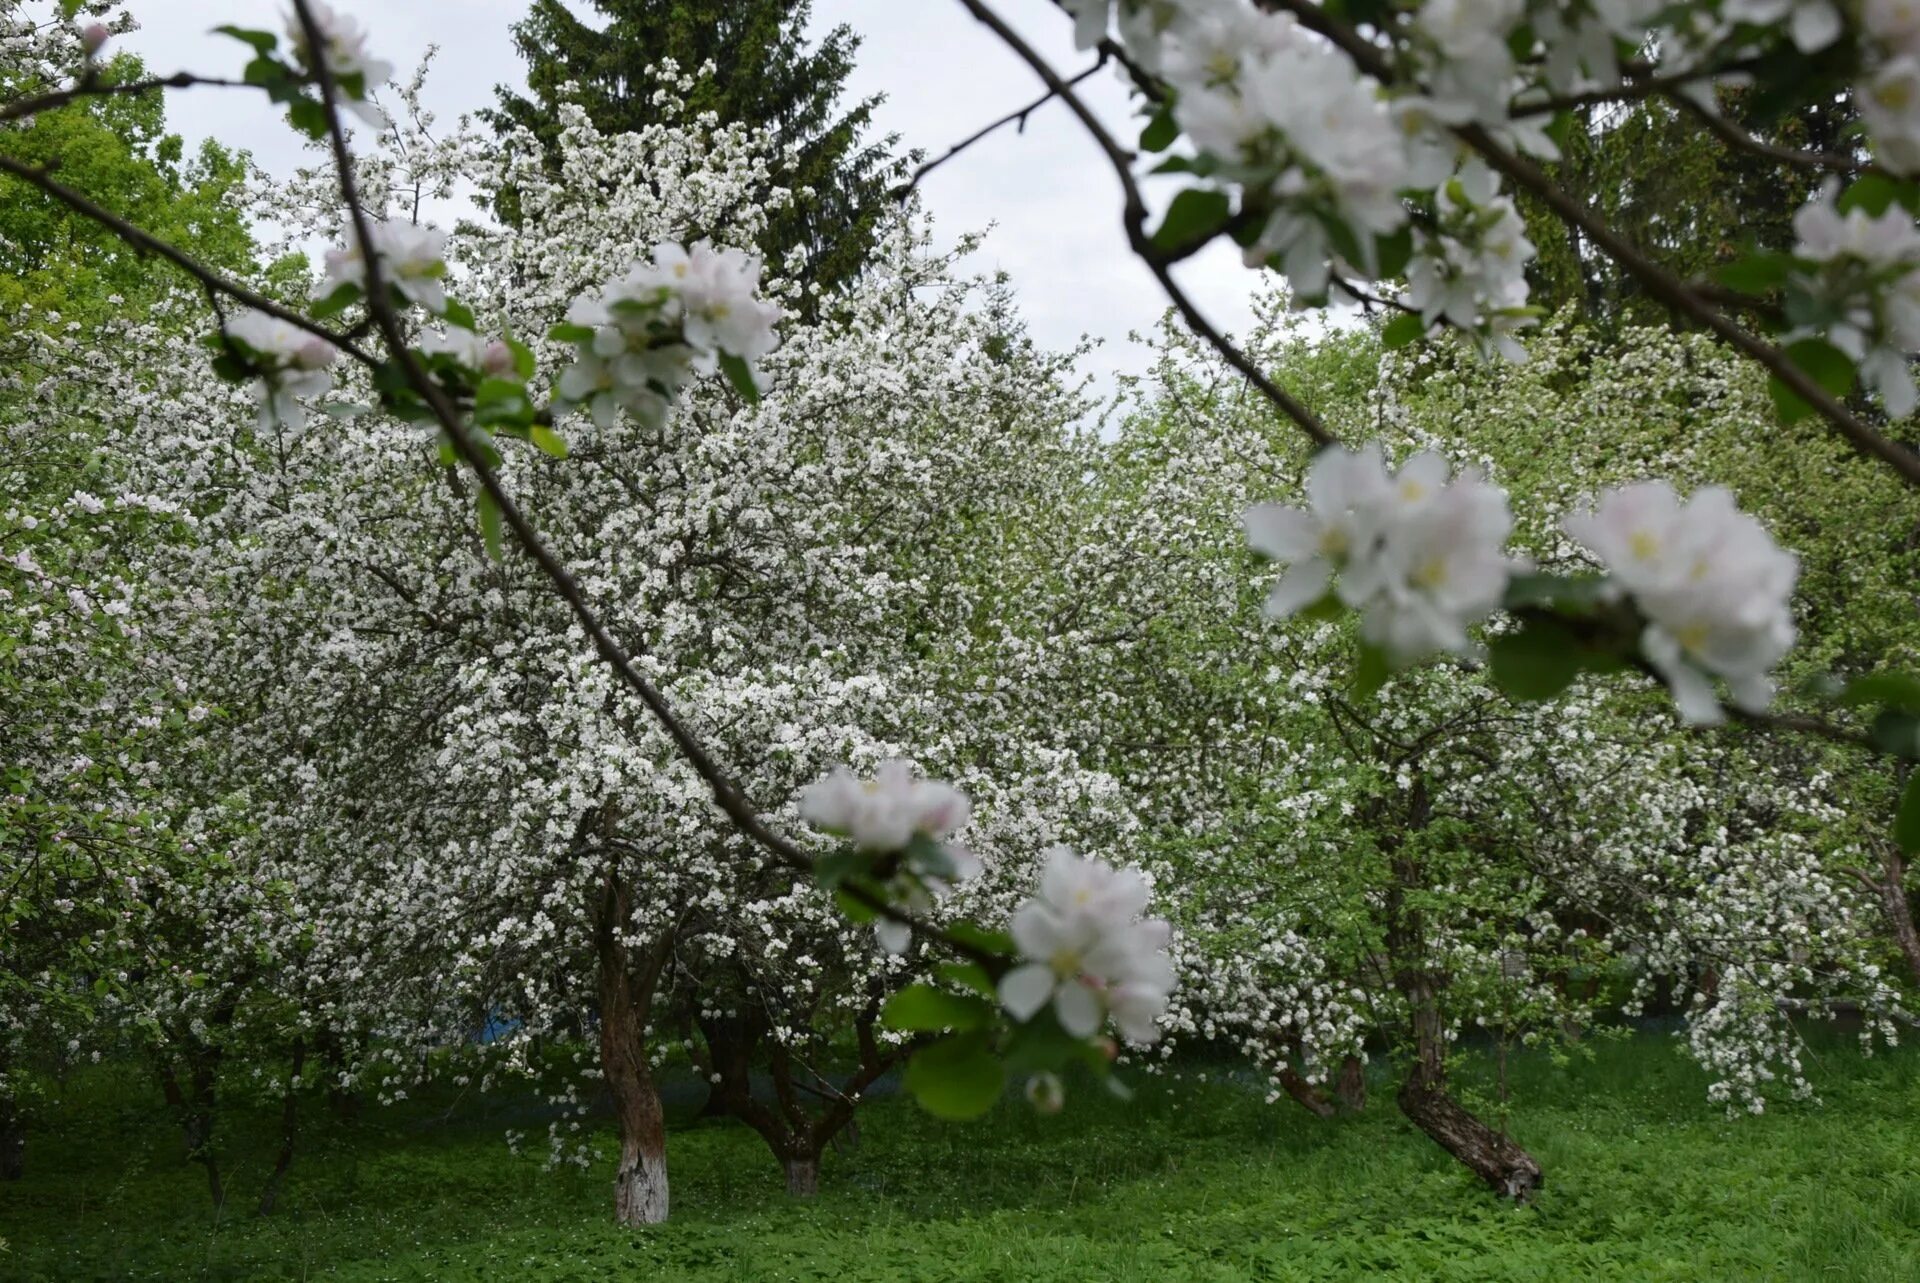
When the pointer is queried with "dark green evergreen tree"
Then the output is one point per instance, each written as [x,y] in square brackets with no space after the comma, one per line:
[763,74]
[1658,175]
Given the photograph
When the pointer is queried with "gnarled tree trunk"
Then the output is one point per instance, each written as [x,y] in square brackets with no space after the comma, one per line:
[13,1140]
[1423,1098]
[1350,1088]
[1891,887]
[803,1176]
[193,1106]
[626,995]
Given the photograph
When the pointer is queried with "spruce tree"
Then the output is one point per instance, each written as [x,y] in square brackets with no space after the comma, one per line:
[763,74]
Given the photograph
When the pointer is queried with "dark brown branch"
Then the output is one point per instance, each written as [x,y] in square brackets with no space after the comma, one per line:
[726,794]
[1134,222]
[1659,282]
[90,88]
[193,267]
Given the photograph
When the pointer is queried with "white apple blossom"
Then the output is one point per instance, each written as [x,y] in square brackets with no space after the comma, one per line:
[717,292]
[886,812]
[471,350]
[1088,951]
[1813,24]
[291,363]
[1421,556]
[345,51]
[412,261]
[1868,276]
[1715,589]
[1470,271]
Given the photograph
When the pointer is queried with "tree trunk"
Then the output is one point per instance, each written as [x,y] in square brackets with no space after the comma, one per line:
[803,1176]
[195,1113]
[13,1141]
[1350,1088]
[626,996]
[1490,1155]
[289,1122]
[1311,1097]
[1892,887]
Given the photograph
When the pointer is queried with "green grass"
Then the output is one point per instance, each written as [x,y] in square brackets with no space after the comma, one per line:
[1191,1181]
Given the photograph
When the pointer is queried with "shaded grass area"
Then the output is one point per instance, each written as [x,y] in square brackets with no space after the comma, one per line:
[1193,1180]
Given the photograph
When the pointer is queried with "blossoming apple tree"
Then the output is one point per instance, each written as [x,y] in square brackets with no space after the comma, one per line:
[511,784]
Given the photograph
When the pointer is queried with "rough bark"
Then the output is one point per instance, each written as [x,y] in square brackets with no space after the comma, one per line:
[1350,1088]
[1309,1096]
[1423,1098]
[1892,889]
[289,1124]
[626,995]
[13,1140]
[193,1106]
[803,1176]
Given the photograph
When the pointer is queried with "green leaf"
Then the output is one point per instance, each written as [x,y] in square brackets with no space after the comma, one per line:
[856,910]
[1392,252]
[957,1078]
[1828,366]
[1160,132]
[522,358]
[458,313]
[1577,594]
[344,409]
[1537,662]
[490,524]
[567,332]
[922,1009]
[1893,690]
[1196,214]
[1877,193]
[502,401]
[1401,330]
[263,42]
[1371,670]
[740,375]
[998,942]
[548,440]
[308,116]
[836,867]
[335,303]
[1897,733]
[1757,272]
[968,975]
[1906,821]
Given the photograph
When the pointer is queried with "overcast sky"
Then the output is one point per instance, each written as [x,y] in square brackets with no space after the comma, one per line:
[1053,204]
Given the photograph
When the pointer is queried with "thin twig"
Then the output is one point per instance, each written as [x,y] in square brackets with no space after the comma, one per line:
[1016,118]
[90,88]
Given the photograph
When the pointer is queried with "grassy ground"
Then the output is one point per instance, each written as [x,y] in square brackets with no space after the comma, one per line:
[1198,1182]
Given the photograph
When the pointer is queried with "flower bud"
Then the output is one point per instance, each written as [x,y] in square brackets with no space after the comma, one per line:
[315,354]
[1046,1093]
[497,360]
[92,37]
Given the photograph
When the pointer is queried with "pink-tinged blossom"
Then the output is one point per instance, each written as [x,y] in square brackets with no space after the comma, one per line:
[1867,273]
[412,261]
[1421,556]
[291,362]
[344,48]
[1088,952]
[1715,589]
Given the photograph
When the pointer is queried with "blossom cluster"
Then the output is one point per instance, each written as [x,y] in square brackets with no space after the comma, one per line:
[1713,586]
[640,337]
[1863,271]
[1422,555]
[1470,269]
[291,363]
[345,54]
[885,815]
[1089,952]
[412,260]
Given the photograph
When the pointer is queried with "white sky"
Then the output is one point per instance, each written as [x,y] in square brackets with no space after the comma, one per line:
[1048,194]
